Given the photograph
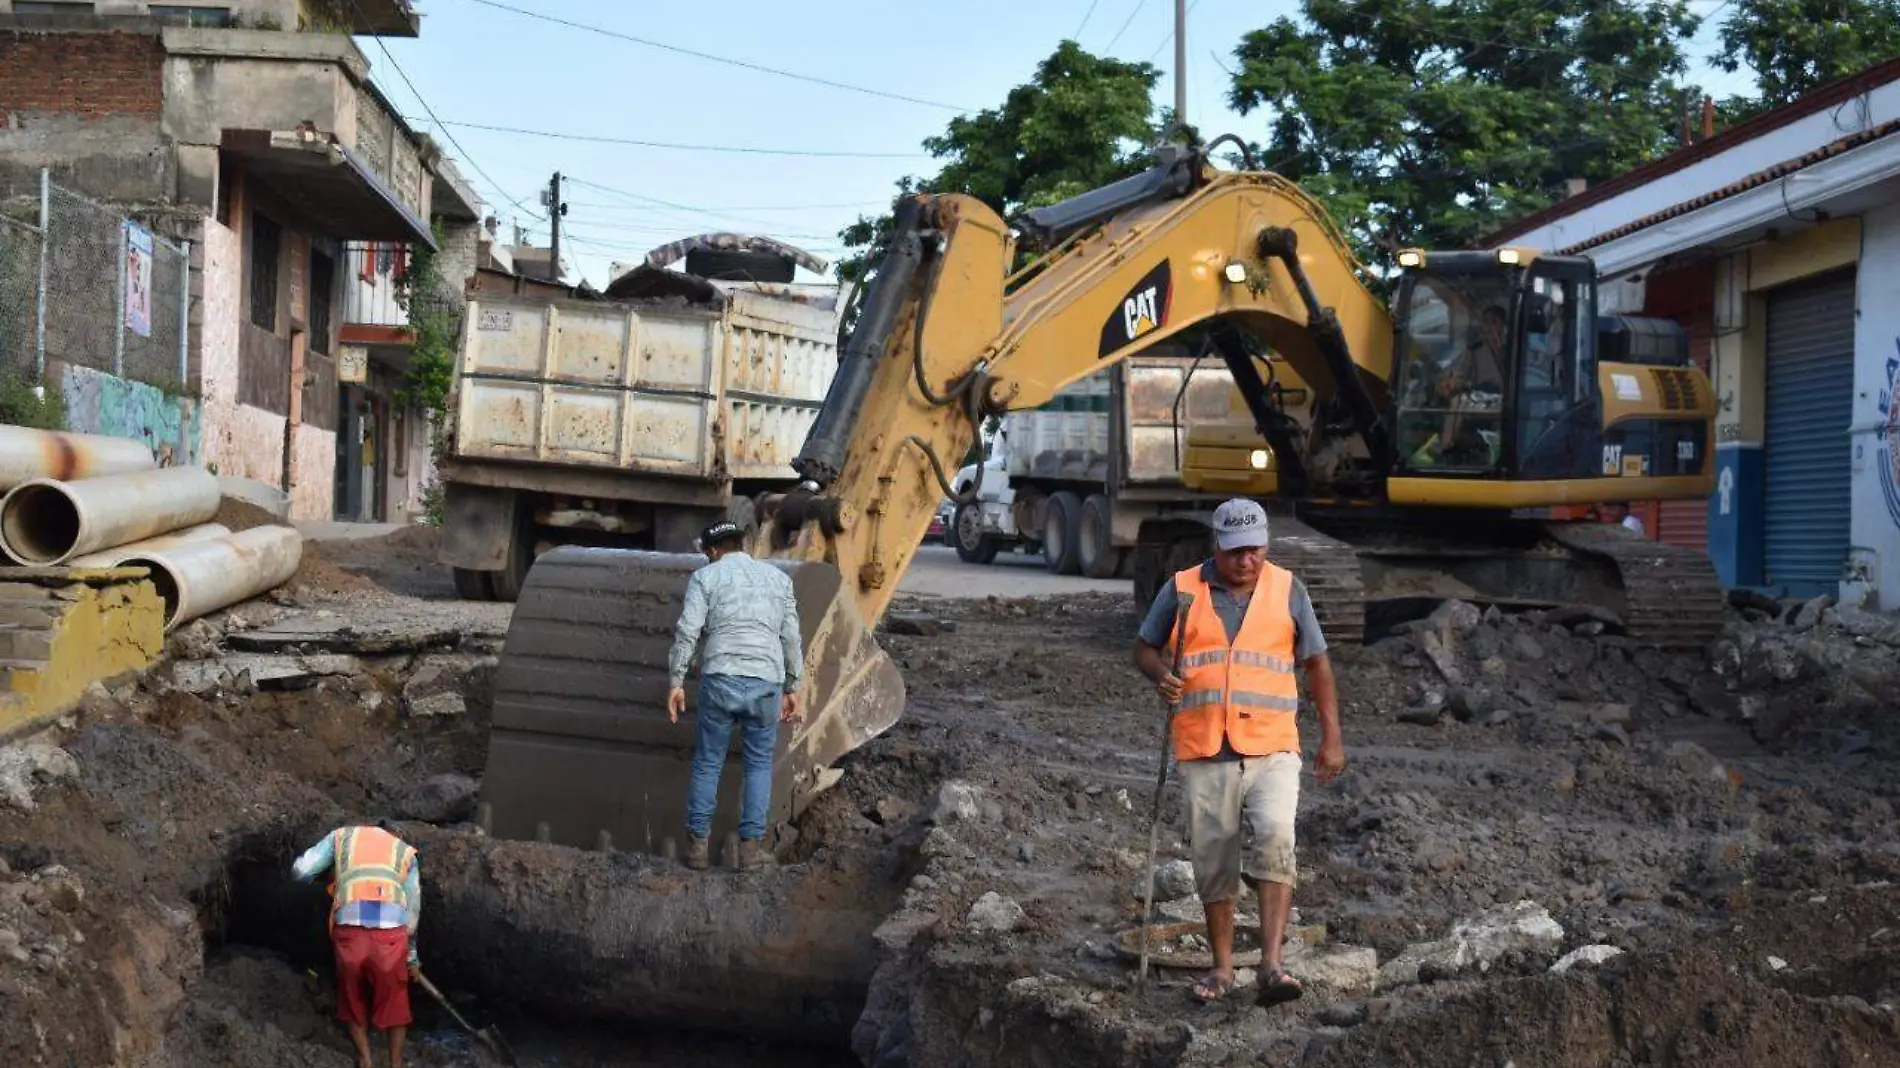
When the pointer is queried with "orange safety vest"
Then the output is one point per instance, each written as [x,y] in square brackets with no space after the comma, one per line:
[1245,691]
[371,865]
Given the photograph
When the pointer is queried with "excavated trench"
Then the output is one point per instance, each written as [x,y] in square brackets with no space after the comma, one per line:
[569,951]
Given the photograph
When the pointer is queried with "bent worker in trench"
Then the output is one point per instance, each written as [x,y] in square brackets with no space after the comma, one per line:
[1247,622]
[376,903]
[748,682]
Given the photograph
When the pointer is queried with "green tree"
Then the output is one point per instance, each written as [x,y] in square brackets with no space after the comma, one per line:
[1082,121]
[1793,46]
[1432,122]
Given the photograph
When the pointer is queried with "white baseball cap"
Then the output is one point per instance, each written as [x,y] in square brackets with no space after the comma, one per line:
[1240,524]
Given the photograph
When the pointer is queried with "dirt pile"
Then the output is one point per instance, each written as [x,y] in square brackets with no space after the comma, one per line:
[123,880]
[316,576]
[1527,765]
[1706,844]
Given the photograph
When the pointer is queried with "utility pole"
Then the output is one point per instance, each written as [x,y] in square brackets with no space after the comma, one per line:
[1180,65]
[556,209]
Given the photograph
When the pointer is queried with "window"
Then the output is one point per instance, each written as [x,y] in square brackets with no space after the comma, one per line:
[322,282]
[190,15]
[267,243]
[1452,362]
[50,7]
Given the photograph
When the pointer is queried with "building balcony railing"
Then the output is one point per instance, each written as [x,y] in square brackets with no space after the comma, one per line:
[370,270]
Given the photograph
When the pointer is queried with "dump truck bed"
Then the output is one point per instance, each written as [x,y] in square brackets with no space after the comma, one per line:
[691,390]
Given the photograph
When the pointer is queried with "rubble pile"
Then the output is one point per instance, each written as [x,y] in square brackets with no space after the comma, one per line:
[1547,830]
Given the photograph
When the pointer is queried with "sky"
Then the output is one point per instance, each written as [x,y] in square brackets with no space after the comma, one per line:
[477,64]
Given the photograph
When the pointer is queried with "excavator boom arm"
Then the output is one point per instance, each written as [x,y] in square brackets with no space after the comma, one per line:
[946,338]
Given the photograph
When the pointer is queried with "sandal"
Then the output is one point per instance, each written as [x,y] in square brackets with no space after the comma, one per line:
[1278,988]
[1213,987]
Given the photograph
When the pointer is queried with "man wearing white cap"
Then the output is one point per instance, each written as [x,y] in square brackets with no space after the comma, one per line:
[1241,624]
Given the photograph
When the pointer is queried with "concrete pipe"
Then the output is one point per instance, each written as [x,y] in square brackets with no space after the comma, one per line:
[27,454]
[200,577]
[111,557]
[45,522]
[561,934]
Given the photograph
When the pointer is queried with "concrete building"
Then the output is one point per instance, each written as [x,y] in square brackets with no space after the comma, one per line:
[1777,244]
[251,129]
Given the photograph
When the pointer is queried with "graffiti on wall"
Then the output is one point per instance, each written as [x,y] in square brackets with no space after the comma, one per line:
[1890,436]
[99,403]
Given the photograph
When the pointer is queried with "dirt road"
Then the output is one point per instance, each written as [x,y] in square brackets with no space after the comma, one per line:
[1706,845]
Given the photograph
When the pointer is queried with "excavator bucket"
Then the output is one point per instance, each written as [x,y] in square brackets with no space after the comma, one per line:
[580,751]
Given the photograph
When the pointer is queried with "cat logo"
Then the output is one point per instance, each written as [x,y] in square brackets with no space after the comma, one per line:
[1139,313]
[1143,311]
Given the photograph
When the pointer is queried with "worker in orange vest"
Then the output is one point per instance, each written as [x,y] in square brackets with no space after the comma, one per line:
[1242,625]
[376,903]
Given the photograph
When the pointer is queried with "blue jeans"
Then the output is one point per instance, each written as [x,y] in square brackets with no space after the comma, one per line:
[751,705]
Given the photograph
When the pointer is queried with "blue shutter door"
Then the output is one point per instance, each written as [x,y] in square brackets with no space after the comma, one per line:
[1806,451]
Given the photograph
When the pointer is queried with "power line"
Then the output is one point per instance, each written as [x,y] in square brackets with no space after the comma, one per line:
[634,228]
[1086,16]
[745,207]
[1136,10]
[638,198]
[417,93]
[681,146]
[710,58]
[1170,34]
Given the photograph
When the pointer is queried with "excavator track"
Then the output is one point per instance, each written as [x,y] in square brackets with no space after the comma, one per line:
[1665,596]
[1672,597]
[1331,571]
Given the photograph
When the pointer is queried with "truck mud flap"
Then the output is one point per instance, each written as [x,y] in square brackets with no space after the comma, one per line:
[580,752]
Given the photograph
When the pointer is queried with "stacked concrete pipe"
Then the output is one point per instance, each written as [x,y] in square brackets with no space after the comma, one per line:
[45,522]
[84,500]
[195,578]
[27,454]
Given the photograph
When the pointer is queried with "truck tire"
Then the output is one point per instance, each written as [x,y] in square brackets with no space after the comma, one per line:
[1096,539]
[472,585]
[739,265]
[967,537]
[1062,534]
[506,584]
[743,511]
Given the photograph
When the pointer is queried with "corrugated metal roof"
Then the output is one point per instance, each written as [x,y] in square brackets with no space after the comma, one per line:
[1820,99]
[1759,178]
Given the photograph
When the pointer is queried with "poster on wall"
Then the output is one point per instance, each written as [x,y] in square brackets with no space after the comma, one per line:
[352,364]
[138,279]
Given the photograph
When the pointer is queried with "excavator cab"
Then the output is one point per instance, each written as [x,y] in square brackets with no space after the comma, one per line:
[1504,374]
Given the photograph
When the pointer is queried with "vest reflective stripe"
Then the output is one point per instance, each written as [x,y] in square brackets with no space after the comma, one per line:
[1243,692]
[371,865]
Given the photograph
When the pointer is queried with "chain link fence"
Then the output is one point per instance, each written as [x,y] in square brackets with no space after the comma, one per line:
[82,283]
[20,297]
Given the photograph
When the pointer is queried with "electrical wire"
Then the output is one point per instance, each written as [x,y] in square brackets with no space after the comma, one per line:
[466,156]
[602,139]
[1136,10]
[711,58]
[1086,16]
[1170,33]
[724,218]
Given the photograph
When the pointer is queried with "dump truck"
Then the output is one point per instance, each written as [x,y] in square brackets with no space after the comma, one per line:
[1074,478]
[632,421]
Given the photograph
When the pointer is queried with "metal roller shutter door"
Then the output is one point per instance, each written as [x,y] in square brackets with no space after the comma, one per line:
[1805,453]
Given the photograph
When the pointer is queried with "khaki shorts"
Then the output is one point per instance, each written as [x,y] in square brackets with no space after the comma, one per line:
[1230,802]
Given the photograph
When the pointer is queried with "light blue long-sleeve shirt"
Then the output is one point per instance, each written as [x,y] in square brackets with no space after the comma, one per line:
[746,612]
[378,915]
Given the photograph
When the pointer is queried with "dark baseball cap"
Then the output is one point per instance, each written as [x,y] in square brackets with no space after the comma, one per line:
[723,531]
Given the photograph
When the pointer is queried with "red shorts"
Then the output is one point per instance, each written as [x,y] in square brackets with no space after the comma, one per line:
[381,959]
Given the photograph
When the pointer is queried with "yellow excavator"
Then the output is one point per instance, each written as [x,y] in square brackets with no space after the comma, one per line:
[1421,459]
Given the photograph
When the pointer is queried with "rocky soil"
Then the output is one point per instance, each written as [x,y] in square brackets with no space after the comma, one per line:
[1552,848]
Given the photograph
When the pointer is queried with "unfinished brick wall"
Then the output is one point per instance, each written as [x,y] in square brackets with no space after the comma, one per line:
[91,75]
